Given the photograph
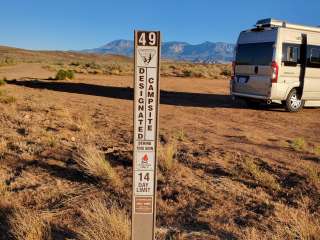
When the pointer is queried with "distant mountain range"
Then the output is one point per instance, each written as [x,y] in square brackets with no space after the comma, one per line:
[207,52]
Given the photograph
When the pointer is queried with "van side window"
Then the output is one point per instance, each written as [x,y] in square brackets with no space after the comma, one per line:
[313,57]
[291,54]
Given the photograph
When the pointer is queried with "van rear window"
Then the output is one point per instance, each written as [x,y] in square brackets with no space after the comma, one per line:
[255,54]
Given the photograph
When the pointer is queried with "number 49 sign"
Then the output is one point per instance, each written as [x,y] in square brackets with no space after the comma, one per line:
[146,108]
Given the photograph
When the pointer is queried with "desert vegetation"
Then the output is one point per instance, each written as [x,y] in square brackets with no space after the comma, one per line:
[166,155]
[262,177]
[66,155]
[93,163]
[101,222]
[298,144]
[3,81]
[181,69]
[5,61]
[64,74]
[64,64]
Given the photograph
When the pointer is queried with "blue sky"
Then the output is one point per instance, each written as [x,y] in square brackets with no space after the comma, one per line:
[81,24]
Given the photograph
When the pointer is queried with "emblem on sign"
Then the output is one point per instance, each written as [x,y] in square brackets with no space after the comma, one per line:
[147,55]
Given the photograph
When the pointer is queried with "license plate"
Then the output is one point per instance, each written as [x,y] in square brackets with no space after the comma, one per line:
[242,80]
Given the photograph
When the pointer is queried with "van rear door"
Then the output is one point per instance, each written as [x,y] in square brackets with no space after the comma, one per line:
[254,56]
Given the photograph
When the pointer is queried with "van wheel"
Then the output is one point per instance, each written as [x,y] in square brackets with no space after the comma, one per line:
[293,102]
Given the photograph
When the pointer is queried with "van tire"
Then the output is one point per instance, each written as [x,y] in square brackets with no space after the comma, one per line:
[293,102]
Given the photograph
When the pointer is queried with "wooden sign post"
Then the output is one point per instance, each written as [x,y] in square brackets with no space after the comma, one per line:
[146,108]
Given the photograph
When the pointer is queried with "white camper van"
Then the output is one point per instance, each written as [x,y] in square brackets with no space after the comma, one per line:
[278,62]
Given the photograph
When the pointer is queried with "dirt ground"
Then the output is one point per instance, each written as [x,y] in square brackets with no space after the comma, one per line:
[238,173]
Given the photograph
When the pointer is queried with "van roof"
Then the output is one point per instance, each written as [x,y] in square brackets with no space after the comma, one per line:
[270,22]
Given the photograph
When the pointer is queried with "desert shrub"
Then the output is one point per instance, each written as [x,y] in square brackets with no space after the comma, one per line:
[187,73]
[317,150]
[94,72]
[298,144]
[64,74]
[199,70]
[29,225]
[3,81]
[114,69]
[59,63]
[94,164]
[92,65]
[102,223]
[262,177]
[76,64]
[226,72]
[70,74]
[7,61]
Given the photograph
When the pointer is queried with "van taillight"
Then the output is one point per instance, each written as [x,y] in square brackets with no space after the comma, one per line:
[233,70]
[275,72]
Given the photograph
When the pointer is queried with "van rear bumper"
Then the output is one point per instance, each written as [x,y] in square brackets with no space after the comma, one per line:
[249,96]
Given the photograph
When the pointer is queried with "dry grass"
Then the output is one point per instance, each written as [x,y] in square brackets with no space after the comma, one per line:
[298,144]
[6,61]
[52,141]
[313,174]
[180,135]
[297,223]
[29,225]
[82,123]
[5,98]
[8,100]
[166,156]
[94,163]
[102,223]
[317,150]
[290,223]
[3,147]
[262,177]
[3,189]
[77,122]
[3,81]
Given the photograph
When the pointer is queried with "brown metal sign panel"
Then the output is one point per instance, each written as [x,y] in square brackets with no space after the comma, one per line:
[146,108]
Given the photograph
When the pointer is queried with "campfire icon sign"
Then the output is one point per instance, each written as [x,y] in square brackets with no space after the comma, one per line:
[145,158]
[146,161]
[147,55]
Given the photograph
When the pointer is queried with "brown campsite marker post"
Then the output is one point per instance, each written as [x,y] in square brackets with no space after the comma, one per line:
[146,108]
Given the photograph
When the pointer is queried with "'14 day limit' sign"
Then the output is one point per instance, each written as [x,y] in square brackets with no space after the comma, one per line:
[146,108]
